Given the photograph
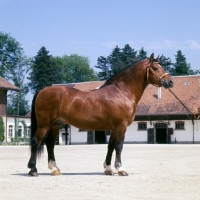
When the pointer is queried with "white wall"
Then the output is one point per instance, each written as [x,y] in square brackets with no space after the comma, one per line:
[77,136]
[11,121]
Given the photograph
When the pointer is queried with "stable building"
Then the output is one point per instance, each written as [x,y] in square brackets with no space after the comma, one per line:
[160,117]
[5,86]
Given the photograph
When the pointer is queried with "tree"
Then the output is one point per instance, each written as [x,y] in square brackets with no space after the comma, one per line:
[10,51]
[17,104]
[181,67]
[2,130]
[128,55]
[167,64]
[142,54]
[104,66]
[116,61]
[14,67]
[75,68]
[44,71]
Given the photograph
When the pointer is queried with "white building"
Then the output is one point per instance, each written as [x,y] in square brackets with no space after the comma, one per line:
[160,117]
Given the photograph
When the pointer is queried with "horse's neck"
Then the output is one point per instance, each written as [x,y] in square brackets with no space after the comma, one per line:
[135,82]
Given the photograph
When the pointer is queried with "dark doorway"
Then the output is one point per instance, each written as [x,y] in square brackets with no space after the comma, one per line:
[161,135]
[100,137]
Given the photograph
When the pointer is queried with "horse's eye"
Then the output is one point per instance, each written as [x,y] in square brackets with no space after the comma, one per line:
[155,68]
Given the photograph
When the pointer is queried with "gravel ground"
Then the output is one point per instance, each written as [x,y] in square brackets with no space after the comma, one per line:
[155,172]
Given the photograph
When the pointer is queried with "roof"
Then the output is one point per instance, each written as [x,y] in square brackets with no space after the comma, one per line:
[84,86]
[5,85]
[187,89]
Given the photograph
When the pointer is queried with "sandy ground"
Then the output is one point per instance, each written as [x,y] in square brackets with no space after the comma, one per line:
[155,172]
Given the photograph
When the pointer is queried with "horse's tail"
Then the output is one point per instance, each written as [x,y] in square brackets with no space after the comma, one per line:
[34,125]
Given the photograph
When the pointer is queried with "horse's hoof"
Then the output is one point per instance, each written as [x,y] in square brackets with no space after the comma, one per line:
[56,172]
[122,173]
[109,173]
[31,173]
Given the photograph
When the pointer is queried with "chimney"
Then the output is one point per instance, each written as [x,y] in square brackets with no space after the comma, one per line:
[159,92]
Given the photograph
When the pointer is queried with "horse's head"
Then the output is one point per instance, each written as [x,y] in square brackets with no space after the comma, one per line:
[156,75]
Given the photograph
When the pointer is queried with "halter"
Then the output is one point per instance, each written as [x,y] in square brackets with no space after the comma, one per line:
[158,78]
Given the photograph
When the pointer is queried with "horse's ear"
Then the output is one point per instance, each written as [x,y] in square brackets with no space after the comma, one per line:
[151,58]
[157,59]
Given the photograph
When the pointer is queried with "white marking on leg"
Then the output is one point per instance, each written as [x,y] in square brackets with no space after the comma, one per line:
[120,169]
[52,166]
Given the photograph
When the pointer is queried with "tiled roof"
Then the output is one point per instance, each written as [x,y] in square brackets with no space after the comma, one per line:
[85,86]
[187,88]
[5,85]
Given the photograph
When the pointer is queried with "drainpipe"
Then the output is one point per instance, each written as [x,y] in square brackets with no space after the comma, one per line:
[193,129]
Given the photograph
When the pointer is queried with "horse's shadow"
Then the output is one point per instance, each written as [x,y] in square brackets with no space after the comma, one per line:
[64,174]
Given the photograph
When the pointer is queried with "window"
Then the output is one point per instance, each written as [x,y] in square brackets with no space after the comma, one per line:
[10,131]
[19,131]
[28,131]
[142,126]
[179,125]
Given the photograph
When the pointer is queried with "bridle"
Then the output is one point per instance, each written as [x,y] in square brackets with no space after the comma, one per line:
[149,68]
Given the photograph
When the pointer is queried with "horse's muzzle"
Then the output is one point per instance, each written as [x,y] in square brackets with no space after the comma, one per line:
[167,83]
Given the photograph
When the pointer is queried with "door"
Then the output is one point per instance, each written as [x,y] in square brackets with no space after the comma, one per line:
[150,136]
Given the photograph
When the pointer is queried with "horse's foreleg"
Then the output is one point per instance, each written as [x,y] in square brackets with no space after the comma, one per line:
[118,163]
[50,143]
[118,146]
[35,144]
[107,163]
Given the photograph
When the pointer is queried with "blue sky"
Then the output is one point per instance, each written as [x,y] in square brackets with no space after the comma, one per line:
[93,28]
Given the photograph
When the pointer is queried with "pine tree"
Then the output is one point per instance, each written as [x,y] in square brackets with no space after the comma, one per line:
[181,67]
[167,64]
[128,55]
[103,64]
[44,71]
[116,61]
[2,130]
[142,54]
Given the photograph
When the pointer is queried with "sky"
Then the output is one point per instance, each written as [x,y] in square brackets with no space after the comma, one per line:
[93,28]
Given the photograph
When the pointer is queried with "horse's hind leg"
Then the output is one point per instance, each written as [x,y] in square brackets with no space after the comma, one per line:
[35,144]
[50,143]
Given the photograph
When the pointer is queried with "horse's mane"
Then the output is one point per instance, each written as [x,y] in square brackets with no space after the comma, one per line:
[123,71]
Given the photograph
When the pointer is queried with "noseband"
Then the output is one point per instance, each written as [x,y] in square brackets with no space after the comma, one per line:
[158,78]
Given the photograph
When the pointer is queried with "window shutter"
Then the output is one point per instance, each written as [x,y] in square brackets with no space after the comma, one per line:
[90,137]
[150,133]
[170,131]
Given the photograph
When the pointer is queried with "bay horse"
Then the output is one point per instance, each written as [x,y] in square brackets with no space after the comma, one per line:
[111,107]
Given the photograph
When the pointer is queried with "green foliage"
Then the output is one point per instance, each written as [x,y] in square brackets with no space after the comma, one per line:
[142,54]
[116,61]
[10,52]
[181,67]
[17,104]
[166,63]
[74,69]
[2,130]
[14,66]
[44,71]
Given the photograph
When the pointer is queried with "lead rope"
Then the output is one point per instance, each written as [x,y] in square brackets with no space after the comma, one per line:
[180,101]
[196,111]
